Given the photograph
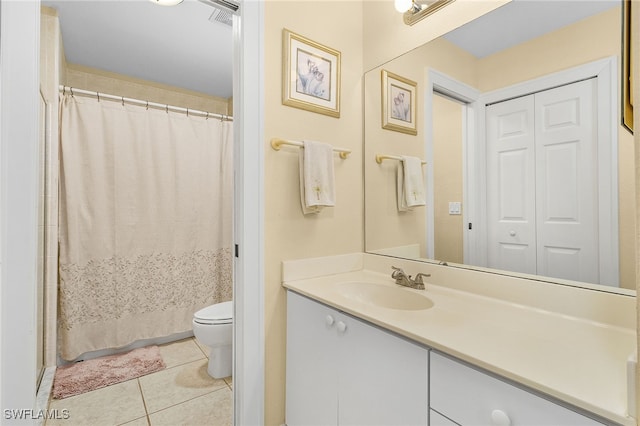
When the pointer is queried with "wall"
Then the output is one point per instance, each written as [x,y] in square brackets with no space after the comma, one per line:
[448,172]
[289,234]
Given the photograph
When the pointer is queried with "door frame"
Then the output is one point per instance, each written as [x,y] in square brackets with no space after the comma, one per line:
[605,72]
[248,281]
[442,84]
[19,138]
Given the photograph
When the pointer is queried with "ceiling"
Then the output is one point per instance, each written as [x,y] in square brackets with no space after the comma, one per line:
[181,46]
[175,45]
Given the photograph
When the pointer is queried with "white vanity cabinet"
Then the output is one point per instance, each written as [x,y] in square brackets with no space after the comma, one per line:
[468,396]
[344,371]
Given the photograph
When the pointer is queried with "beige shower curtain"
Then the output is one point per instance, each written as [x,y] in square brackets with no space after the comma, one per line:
[145,222]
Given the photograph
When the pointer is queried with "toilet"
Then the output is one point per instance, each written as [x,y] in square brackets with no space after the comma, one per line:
[213,327]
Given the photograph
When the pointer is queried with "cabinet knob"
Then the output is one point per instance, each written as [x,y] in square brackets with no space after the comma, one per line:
[500,418]
[329,320]
[512,233]
[342,327]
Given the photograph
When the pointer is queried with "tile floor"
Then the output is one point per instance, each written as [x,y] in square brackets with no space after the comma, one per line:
[181,394]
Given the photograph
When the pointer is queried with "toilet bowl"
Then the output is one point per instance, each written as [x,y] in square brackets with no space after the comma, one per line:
[213,327]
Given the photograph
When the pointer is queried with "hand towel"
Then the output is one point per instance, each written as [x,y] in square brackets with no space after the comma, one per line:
[317,182]
[402,202]
[411,190]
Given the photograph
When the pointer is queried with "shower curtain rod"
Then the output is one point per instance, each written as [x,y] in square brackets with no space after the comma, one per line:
[148,104]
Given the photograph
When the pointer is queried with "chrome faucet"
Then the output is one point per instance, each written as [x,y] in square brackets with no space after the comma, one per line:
[403,279]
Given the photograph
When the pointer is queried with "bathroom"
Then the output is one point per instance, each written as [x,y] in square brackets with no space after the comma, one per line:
[273,230]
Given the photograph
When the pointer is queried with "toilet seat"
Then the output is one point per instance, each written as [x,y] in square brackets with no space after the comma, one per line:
[220,313]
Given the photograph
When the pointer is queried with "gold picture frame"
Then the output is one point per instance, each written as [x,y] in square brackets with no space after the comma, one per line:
[399,103]
[310,75]
[627,72]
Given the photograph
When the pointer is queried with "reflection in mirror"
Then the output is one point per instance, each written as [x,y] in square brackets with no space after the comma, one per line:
[542,185]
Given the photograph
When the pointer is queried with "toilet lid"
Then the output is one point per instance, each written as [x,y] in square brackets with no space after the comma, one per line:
[220,313]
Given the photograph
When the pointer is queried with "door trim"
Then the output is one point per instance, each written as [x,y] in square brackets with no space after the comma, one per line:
[604,71]
[248,282]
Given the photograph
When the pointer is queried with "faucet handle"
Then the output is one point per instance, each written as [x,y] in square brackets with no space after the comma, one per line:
[396,272]
[418,279]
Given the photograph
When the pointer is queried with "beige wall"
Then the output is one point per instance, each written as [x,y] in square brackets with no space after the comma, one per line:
[448,172]
[81,77]
[289,234]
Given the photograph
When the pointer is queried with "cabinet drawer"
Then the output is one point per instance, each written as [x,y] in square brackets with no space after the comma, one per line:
[471,397]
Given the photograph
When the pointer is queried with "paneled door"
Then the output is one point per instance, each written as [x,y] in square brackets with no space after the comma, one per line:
[511,185]
[542,174]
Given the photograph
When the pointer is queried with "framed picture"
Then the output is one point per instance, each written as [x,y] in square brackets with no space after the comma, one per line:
[627,71]
[311,75]
[398,103]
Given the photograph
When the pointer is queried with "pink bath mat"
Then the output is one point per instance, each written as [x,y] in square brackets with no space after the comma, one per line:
[93,374]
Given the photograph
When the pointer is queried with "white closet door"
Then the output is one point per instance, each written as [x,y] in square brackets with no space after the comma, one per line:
[566,181]
[511,186]
[542,171]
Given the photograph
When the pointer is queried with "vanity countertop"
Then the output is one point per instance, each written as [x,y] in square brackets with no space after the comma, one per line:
[576,360]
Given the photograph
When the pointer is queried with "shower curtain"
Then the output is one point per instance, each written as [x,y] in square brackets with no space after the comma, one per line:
[145,222]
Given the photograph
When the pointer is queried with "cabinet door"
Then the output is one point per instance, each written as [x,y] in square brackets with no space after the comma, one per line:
[471,397]
[382,377]
[311,393]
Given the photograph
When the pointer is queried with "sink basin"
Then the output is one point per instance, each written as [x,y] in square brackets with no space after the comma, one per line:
[385,296]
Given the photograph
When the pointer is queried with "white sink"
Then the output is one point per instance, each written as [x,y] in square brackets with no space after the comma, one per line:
[385,296]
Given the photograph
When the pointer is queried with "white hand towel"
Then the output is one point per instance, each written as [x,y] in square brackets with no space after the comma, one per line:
[402,202]
[410,184]
[317,182]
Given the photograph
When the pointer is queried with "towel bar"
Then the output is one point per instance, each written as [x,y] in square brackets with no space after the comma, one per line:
[380,158]
[277,143]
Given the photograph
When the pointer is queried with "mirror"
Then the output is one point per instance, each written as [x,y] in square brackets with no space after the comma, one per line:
[521,71]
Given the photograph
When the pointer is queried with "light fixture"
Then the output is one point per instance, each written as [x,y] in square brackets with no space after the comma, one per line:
[403,5]
[416,10]
[166,2]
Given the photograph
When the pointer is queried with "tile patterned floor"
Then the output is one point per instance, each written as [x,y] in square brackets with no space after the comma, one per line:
[181,394]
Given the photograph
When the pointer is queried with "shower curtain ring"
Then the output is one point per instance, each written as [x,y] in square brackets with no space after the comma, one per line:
[122,98]
[187,112]
[147,105]
[98,96]
[71,89]
[166,108]
[207,115]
